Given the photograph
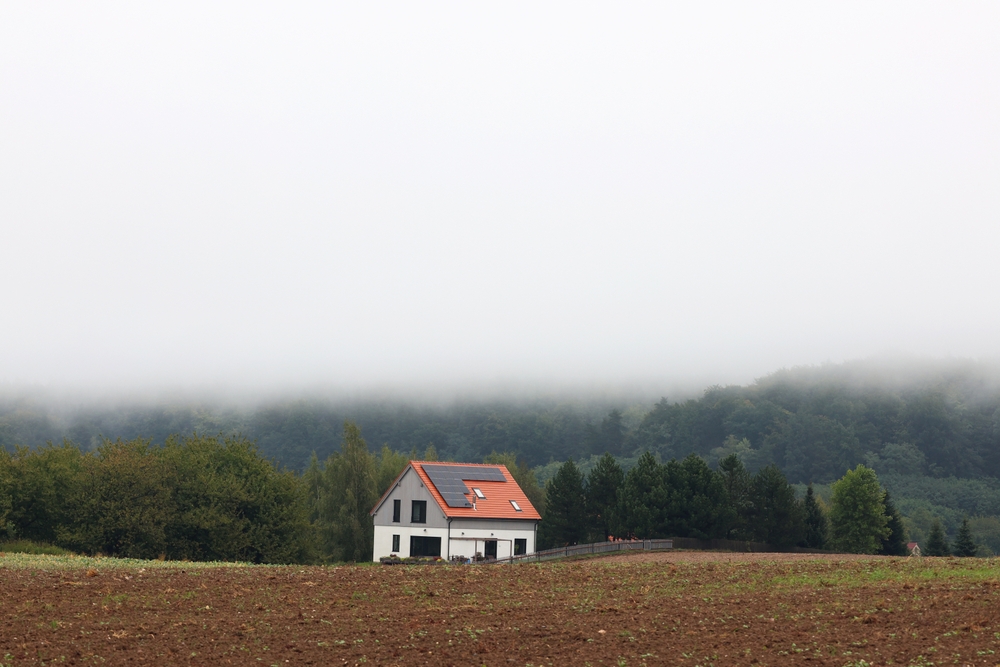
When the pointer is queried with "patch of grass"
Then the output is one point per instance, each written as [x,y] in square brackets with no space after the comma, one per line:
[68,561]
[29,547]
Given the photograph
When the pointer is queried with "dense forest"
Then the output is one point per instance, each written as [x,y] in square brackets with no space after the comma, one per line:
[930,431]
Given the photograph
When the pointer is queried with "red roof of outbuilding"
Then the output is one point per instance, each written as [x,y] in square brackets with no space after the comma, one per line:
[497,503]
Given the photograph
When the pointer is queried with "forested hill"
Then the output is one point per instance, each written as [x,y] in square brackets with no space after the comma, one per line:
[934,420]
[815,423]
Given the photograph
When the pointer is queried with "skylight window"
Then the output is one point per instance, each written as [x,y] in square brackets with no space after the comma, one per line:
[516,506]
[479,494]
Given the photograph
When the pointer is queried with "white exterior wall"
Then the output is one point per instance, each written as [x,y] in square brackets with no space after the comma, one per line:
[466,538]
[383,539]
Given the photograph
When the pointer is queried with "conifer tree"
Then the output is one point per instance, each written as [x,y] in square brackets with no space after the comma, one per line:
[642,500]
[894,544]
[603,485]
[777,516]
[817,526]
[736,481]
[965,546]
[565,519]
[937,545]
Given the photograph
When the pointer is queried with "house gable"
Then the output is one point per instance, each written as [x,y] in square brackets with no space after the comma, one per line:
[407,488]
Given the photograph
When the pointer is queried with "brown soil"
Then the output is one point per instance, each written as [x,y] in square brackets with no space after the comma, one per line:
[678,608]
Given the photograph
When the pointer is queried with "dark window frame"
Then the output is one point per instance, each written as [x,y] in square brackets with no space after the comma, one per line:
[418,511]
[520,546]
[395,544]
[426,546]
[397,510]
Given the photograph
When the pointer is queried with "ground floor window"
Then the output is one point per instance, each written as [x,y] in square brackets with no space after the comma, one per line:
[395,544]
[491,549]
[520,547]
[425,546]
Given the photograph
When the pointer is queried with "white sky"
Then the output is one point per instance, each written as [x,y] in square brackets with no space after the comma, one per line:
[426,194]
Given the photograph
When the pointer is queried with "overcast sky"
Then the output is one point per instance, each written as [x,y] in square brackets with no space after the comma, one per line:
[426,195]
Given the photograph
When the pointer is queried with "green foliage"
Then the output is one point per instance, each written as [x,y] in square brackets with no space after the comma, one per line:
[565,519]
[390,465]
[197,498]
[42,485]
[893,544]
[29,547]
[607,437]
[603,486]
[778,518]
[816,524]
[640,503]
[736,482]
[6,501]
[965,545]
[858,522]
[122,502]
[937,544]
[986,533]
[343,493]
[696,501]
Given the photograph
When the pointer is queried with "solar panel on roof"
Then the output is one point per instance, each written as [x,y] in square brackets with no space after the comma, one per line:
[450,481]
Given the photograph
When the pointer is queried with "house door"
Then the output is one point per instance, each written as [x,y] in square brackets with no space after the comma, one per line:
[491,549]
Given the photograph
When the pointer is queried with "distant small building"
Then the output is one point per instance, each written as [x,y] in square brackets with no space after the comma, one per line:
[443,510]
[913,548]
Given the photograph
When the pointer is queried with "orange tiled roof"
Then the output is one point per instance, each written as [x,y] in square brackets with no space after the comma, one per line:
[496,505]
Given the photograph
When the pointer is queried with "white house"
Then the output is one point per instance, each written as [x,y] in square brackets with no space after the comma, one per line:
[454,509]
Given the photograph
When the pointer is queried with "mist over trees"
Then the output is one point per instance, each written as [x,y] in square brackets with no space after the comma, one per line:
[931,432]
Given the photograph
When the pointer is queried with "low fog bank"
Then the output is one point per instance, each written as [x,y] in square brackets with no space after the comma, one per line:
[540,423]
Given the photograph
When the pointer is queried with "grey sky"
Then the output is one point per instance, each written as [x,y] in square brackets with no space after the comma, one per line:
[419,194]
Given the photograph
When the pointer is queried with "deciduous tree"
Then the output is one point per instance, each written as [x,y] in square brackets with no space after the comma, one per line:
[858,523]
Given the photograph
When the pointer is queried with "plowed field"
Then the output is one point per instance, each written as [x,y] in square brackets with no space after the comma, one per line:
[641,609]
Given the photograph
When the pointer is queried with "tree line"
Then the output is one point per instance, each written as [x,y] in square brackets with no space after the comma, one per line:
[219,498]
[205,498]
[687,498]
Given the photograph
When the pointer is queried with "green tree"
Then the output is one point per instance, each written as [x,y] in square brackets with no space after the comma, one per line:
[858,523]
[937,544]
[345,493]
[565,518]
[43,487]
[641,502]
[894,544]
[777,516]
[6,500]
[609,436]
[603,485]
[817,526]
[232,504]
[965,546]
[123,505]
[697,505]
[390,465]
[736,481]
